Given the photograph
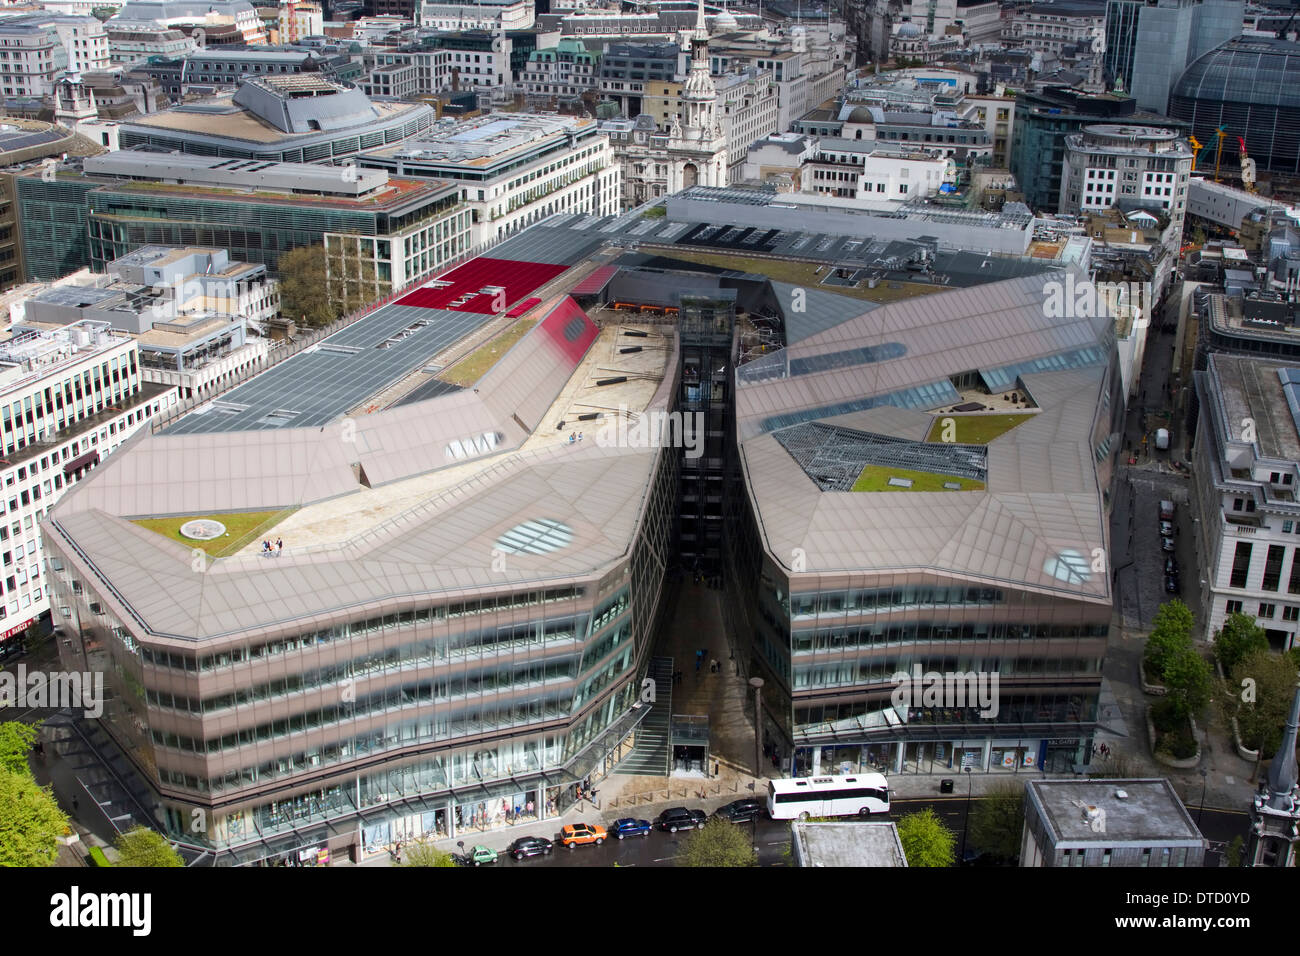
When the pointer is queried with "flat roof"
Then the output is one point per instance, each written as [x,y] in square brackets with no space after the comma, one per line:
[1257,389]
[848,844]
[1145,811]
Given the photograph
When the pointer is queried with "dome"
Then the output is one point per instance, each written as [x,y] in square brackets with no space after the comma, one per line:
[725,21]
[1245,70]
[861,114]
[909,30]
[1249,86]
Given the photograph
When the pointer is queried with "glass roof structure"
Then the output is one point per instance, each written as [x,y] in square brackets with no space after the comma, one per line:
[833,457]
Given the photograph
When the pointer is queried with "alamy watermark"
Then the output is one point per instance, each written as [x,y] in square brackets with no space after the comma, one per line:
[653,430]
[1086,299]
[978,689]
[58,690]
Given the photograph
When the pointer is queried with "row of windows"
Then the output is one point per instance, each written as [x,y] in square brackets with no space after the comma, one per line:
[353,629]
[887,599]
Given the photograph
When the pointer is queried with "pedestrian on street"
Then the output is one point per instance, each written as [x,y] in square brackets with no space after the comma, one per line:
[697,663]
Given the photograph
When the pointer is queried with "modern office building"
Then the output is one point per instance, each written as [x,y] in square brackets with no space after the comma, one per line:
[482,658]
[1244,475]
[1131,823]
[217,68]
[467,592]
[197,317]
[1249,87]
[68,398]
[1044,120]
[513,168]
[1149,43]
[295,118]
[1132,167]
[98,211]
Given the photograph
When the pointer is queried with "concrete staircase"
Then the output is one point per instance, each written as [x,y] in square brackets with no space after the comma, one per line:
[650,753]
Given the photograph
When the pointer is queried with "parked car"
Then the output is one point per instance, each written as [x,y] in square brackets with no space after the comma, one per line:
[629,826]
[1166,510]
[1166,544]
[476,855]
[742,811]
[680,818]
[576,834]
[1171,583]
[1171,564]
[530,846]
[1167,529]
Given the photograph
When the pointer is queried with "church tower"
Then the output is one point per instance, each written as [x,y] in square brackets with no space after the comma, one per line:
[73,103]
[696,146]
[1275,814]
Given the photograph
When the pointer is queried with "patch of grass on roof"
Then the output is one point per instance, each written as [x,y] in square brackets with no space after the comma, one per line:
[475,365]
[241,528]
[803,274]
[876,478]
[973,429]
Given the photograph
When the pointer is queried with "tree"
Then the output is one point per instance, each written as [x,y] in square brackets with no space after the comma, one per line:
[16,740]
[141,846]
[1263,684]
[30,821]
[926,841]
[1237,639]
[422,853]
[720,843]
[998,820]
[1187,680]
[1172,632]
[304,287]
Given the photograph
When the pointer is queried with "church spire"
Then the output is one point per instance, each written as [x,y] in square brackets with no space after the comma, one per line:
[1282,774]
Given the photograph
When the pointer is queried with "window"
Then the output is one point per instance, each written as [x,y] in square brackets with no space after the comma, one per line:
[1233,607]
[1240,565]
[1291,613]
[1273,567]
[1266,610]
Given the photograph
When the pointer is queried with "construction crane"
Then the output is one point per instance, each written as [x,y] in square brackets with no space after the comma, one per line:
[1247,166]
[1218,155]
[1196,150]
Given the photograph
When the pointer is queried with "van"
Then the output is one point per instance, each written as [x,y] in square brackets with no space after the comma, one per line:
[1162,439]
[1166,511]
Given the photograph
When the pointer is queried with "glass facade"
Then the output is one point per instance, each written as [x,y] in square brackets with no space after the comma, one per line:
[436,717]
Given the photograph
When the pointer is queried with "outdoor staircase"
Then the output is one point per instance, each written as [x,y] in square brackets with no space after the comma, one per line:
[650,752]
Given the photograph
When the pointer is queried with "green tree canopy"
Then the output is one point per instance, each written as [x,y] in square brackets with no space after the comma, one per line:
[1263,684]
[720,843]
[141,846]
[304,290]
[16,741]
[1237,639]
[1171,633]
[997,821]
[30,821]
[1187,679]
[422,853]
[926,841]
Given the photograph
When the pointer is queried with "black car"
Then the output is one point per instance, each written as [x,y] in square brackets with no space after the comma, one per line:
[530,846]
[680,818]
[1171,583]
[742,811]
[1171,565]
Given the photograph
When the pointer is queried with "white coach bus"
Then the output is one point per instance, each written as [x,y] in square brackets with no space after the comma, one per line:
[804,797]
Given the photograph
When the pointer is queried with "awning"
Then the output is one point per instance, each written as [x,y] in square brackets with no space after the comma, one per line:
[81,461]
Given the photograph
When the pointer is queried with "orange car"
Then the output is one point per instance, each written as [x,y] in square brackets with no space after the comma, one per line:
[576,833]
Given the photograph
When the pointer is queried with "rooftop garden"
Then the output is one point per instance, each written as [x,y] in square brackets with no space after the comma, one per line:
[972,429]
[241,528]
[877,477]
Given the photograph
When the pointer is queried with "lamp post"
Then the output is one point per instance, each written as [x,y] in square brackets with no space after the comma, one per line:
[757,684]
[966,823]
